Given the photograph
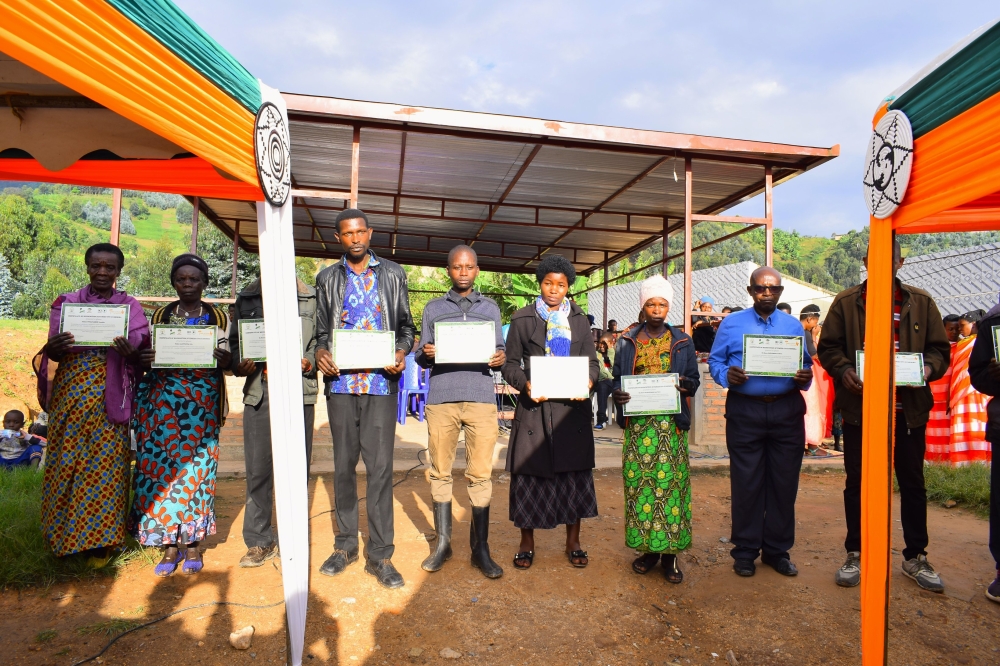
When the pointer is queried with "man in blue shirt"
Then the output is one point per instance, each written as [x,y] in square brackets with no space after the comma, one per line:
[765,431]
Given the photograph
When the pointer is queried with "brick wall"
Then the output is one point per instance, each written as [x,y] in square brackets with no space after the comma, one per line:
[708,415]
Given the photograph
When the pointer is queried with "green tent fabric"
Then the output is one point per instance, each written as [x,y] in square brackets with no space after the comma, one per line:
[960,83]
[176,31]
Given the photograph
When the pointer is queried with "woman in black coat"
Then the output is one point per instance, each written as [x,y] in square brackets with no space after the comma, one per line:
[551,452]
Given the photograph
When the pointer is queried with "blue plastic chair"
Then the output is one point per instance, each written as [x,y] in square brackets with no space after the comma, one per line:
[413,388]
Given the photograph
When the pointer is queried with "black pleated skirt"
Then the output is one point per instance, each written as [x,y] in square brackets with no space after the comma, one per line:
[541,503]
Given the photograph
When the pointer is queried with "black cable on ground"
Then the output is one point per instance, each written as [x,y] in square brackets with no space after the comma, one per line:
[419,464]
[168,615]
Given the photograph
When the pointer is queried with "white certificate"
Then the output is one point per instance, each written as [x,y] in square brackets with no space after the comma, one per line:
[362,350]
[253,344]
[909,368]
[996,343]
[184,346]
[556,377]
[464,342]
[651,394]
[94,324]
[772,355]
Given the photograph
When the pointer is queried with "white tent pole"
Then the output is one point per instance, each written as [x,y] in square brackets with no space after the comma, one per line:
[284,378]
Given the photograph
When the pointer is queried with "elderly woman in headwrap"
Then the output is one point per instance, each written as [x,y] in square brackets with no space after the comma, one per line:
[655,454]
[177,422]
[551,452]
[89,401]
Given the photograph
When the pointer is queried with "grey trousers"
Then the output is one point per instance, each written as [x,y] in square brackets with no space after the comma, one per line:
[257,528]
[365,426]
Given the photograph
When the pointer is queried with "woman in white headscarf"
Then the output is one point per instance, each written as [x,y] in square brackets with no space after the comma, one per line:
[655,453]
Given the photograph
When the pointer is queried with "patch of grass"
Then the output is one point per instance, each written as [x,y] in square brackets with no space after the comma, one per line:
[25,558]
[46,635]
[109,628]
[968,485]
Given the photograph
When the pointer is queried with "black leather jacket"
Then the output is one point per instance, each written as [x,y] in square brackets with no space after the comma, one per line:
[392,293]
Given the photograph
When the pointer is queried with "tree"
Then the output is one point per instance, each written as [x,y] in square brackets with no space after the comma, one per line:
[18,228]
[8,290]
[217,251]
[149,273]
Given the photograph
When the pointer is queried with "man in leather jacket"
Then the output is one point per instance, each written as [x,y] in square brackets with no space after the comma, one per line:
[362,291]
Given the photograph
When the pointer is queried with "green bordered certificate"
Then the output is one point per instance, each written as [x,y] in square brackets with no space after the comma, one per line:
[909,368]
[651,394]
[772,355]
[464,342]
[184,346]
[996,343]
[94,324]
[362,350]
[253,344]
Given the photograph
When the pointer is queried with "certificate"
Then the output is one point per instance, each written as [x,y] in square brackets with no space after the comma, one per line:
[772,355]
[94,324]
[651,394]
[362,350]
[909,368]
[996,343]
[184,346]
[555,377]
[464,342]
[252,342]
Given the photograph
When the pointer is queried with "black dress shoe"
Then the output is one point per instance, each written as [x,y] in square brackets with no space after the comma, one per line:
[385,573]
[336,563]
[744,567]
[782,565]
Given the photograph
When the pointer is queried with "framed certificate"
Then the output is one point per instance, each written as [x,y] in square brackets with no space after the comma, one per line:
[184,346]
[555,377]
[651,394]
[252,341]
[362,350]
[996,343]
[94,324]
[464,341]
[909,368]
[772,355]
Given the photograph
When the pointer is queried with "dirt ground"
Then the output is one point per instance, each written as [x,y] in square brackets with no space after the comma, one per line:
[552,614]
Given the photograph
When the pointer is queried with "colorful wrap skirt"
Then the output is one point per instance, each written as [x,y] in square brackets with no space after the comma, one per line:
[177,425]
[85,483]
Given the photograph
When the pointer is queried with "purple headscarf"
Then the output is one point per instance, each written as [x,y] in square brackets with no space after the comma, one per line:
[119,384]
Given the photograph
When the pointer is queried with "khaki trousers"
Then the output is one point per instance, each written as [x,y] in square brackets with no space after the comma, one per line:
[444,423]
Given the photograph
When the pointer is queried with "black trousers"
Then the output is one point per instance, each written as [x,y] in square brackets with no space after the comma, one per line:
[365,426]
[908,460]
[603,390]
[257,527]
[995,509]
[766,442]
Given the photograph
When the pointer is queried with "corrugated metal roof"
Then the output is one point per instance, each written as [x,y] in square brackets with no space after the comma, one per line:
[513,187]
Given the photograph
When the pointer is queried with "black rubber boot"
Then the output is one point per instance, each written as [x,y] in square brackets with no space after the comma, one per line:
[479,533]
[442,548]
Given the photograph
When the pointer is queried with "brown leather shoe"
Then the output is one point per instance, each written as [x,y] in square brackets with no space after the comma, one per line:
[256,556]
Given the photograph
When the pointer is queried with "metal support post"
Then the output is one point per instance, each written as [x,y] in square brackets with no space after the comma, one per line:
[116,215]
[236,257]
[687,245]
[605,326]
[194,224]
[768,228]
[355,162]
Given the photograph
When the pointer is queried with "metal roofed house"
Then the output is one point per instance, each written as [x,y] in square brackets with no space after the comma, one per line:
[726,284]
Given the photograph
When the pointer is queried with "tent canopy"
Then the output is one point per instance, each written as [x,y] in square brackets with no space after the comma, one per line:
[513,187]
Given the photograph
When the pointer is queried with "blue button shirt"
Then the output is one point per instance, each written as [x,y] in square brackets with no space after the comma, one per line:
[728,350]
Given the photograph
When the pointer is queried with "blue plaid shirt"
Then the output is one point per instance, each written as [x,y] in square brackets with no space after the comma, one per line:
[363,311]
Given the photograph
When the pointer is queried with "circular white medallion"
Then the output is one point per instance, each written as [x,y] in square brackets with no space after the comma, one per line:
[273,154]
[888,164]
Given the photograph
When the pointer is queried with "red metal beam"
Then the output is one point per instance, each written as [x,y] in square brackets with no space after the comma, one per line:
[513,182]
[399,189]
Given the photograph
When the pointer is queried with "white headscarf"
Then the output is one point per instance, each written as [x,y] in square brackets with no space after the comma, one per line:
[656,286]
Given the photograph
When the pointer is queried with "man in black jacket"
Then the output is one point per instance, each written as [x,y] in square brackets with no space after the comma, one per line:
[364,292]
[984,371]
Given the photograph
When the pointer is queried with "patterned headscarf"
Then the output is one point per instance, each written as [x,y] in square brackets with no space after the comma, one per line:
[557,332]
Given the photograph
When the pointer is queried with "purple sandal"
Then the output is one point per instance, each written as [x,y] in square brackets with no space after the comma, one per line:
[164,569]
[193,566]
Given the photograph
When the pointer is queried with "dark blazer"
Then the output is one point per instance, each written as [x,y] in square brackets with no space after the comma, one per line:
[554,436]
[979,362]
[682,361]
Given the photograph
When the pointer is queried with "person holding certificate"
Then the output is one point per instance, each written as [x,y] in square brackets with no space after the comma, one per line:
[85,486]
[917,329]
[655,454]
[551,452]
[365,297]
[258,532]
[181,406]
[462,325]
[760,355]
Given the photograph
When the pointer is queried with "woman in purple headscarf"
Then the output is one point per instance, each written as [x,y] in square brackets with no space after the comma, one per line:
[86,482]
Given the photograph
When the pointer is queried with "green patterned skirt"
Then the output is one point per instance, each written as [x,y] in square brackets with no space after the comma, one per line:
[657,485]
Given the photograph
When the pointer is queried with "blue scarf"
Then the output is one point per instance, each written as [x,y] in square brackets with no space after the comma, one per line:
[557,333]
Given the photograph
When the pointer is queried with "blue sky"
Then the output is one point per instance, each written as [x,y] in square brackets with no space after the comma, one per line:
[796,72]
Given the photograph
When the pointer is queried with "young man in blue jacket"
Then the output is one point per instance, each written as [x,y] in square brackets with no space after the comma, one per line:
[461,397]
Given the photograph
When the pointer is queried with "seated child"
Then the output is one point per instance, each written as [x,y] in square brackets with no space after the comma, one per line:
[16,446]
